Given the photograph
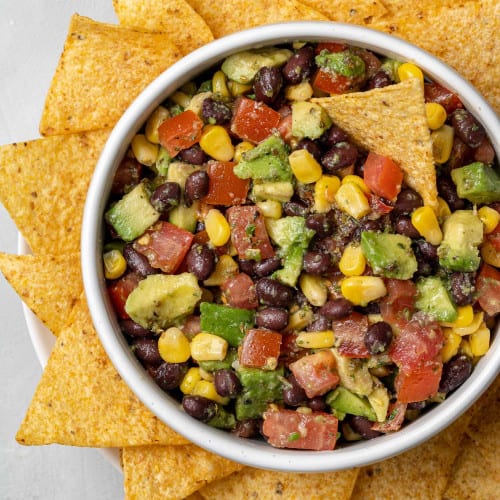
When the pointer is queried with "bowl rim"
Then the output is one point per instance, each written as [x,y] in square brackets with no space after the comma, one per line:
[249,452]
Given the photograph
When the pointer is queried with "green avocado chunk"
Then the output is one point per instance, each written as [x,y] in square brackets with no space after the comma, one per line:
[477,182]
[309,120]
[345,63]
[389,255]
[223,419]
[342,402]
[434,299]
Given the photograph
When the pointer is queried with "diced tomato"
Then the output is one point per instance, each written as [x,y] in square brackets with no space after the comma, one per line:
[239,291]
[419,383]
[398,305]
[494,237]
[316,373]
[260,349]
[350,335]
[419,341]
[382,176]
[394,420]
[285,128]
[330,82]
[180,132]
[379,205]
[290,351]
[201,237]
[224,187]
[119,290]
[248,233]
[253,120]
[330,46]
[305,431]
[488,289]
[165,245]
[437,93]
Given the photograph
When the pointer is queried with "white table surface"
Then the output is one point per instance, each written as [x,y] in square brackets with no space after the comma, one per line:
[32,34]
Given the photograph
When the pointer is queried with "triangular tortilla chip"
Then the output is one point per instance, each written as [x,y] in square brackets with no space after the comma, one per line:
[391,121]
[224,18]
[189,29]
[43,186]
[50,285]
[102,70]
[253,483]
[347,11]
[81,399]
[173,472]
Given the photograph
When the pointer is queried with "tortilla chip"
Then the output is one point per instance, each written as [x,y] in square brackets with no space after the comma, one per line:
[43,186]
[102,69]
[175,18]
[227,17]
[81,399]
[173,472]
[391,121]
[50,285]
[253,483]
[349,11]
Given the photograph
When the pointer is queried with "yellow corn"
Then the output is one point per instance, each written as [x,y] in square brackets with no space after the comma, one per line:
[196,103]
[351,199]
[490,254]
[442,142]
[208,347]
[480,341]
[443,210]
[314,288]
[299,319]
[215,141]
[356,179]
[489,217]
[352,262]
[114,264]
[219,84]
[465,316]
[324,192]
[241,148]
[360,290]
[436,115]
[315,340]
[189,381]
[270,208]
[238,89]
[206,375]
[305,168]
[476,322]
[225,267]
[425,221]
[144,151]
[181,98]
[451,344]
[409,70]
[159,115]
[207,390]
[465,347]
[299,92]
[217,227]
[174,346]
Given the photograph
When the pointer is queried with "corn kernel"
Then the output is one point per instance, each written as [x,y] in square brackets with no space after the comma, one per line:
[314,288]
[215,141]
[114,264]
[352,262]
[471,327]
[206,375]
[207,390]
[409,70]
[299,319]
[360,290]
[238,89]
[159,115]
[299,92]
[144,151]
[489,217]
[465,347]
[465,316]
[358,181]
[208,347]
[270,208]
[425,221]
[217,227]
[451,344]
[442,142]
[189,381]
[351,199]
[180,98]
[490,254]
[324,192]
[196,103]
[219,84]
[305,168]
[315,340]
[443,209]
[240,149]
[174,346]
[480,341]
[436,115]
[225,267]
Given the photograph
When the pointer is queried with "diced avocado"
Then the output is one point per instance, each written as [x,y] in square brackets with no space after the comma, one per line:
[268,161]
[179,171]
[260,387]
[185,217]
[281,191]
[226,363]
[462,235]
[133,214]
[243,66]
[161,300]
[379,400]
[389,255]
[343,401]
[434,299]
[309,120]
[228,322]
[354,374]
[477,182]
[292,259]
[223,419]
[345,63]
[163,161]
[390,66]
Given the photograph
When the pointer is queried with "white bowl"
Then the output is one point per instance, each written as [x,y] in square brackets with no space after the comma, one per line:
[252,452]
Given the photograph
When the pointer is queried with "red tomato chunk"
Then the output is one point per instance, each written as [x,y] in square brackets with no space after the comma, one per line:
[180,132]
[419,383]
[224,187]
[119,290]
[488,289]
[383,176]
[260,349]
[239,292]
[350,335]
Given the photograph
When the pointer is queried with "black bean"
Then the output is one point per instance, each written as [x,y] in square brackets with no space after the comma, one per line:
[363,427]
[322,223]
[137,262]
[193,155]
[273,293]
[247,266]
[249,428]
[300,66]
[460,155]
[166,196]
[227,383]
[448,191]
[310,146]
[200,408]
[380,79]
[146,350]
[333,136]
[293,393]
[127,175]
[378,337]
[403,225]
[274,318]
[339,156]
[426,255]
[316,262]
[200,261]
[267,266]
[317,403]
[133,329]
[320,324]
[169,375]
[455,372]
[295,208]
[428,250]
[468,128]
[462,288]
[336,309]
[197,184]
[407,201]
[267,84]
[215,111]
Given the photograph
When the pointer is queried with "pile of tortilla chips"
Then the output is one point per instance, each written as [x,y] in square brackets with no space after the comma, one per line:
[81,400]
